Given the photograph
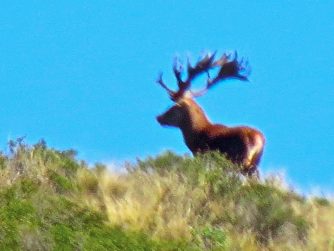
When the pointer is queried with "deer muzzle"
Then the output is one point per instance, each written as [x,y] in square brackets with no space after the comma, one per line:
[160,120]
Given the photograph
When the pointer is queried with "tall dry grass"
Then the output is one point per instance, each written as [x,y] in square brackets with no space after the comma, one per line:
[172,197]
[202,202]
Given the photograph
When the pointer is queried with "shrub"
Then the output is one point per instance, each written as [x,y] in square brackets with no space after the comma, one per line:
[49,200]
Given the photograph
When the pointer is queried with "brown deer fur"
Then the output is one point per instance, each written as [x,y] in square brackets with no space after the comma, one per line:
[242,145]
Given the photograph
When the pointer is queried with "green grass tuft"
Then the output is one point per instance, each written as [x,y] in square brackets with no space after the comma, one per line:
[49,200]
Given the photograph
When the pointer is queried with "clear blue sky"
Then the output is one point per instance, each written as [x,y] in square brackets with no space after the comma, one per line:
[80,74]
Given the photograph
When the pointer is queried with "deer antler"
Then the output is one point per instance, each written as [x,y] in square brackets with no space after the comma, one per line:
[162,83]
[228,69]
[234,68]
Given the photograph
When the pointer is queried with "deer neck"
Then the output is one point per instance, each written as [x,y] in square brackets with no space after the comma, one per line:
[194,124]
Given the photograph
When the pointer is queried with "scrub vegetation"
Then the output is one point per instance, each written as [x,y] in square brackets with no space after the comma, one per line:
[50,200]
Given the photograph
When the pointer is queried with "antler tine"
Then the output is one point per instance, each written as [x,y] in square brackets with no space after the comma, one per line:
[177,69]
[245,67]
[203,65]
[231,69]
[163,85]
[223,60]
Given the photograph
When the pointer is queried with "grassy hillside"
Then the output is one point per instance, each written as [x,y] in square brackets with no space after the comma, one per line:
[49,200]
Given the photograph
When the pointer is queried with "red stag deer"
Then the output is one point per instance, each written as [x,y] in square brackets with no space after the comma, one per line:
[242,145]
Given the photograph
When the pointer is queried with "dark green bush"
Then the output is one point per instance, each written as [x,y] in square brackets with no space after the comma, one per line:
[267,210]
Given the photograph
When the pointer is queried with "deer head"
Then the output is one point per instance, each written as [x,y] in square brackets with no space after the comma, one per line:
[185,109]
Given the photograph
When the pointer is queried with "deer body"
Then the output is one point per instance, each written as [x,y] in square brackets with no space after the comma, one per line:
[242,145]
